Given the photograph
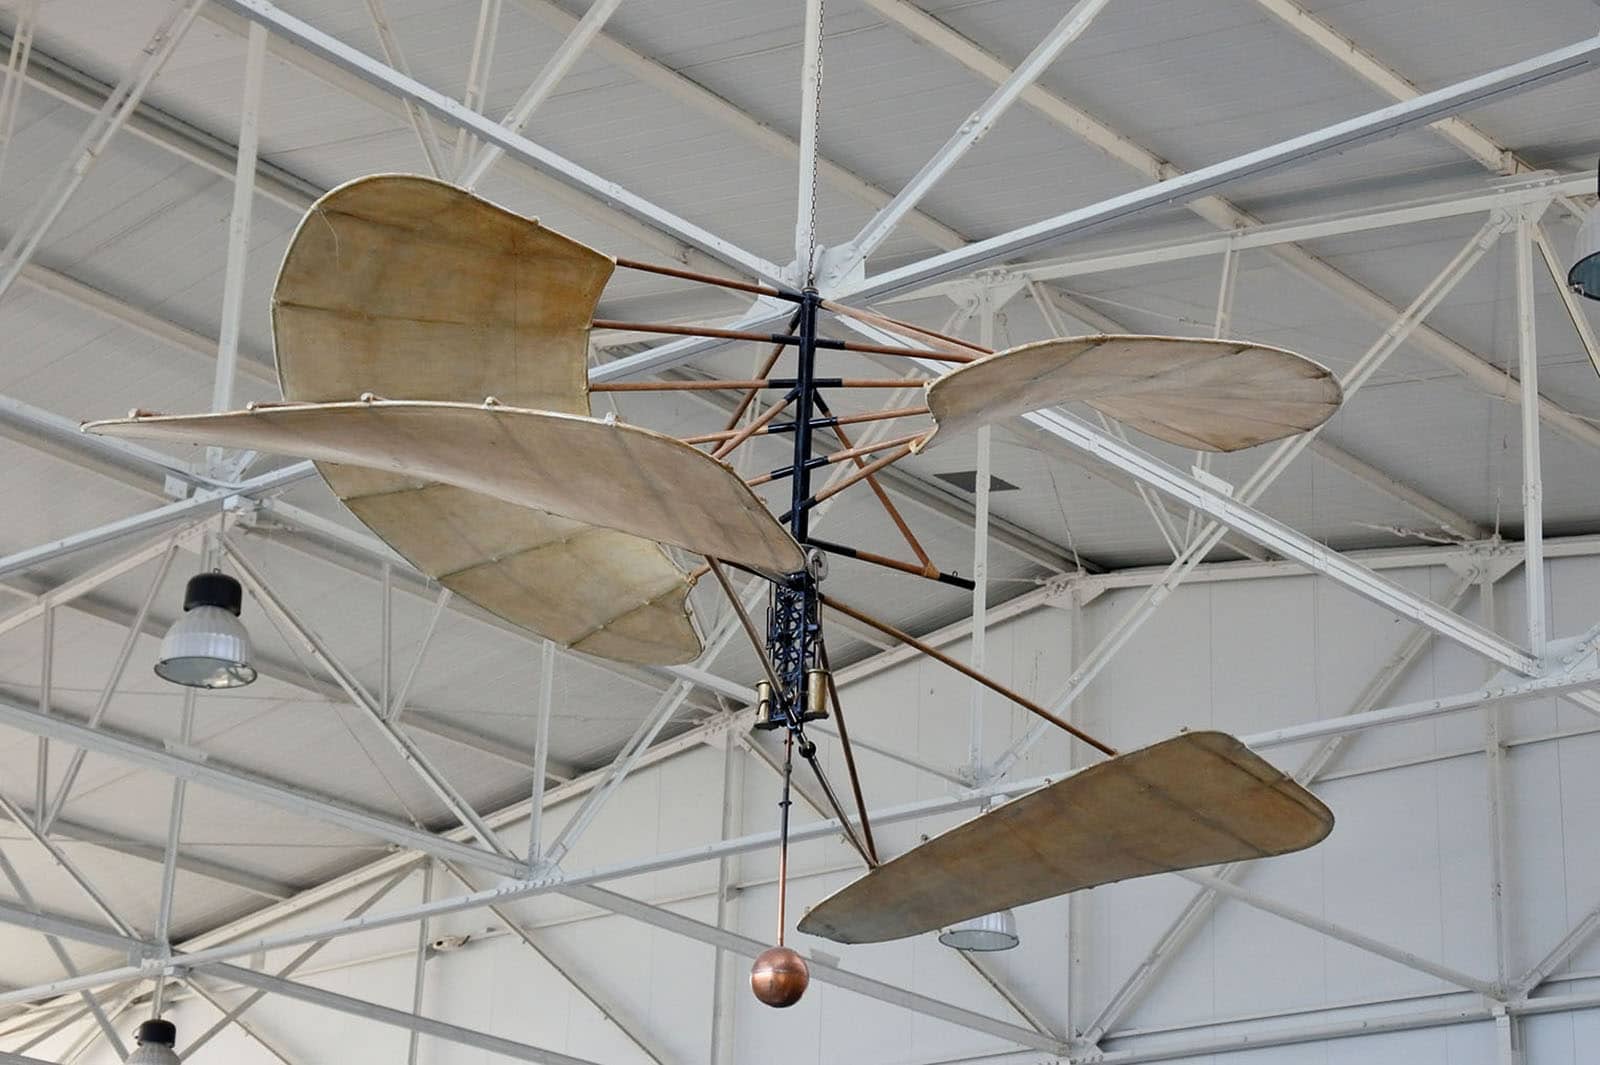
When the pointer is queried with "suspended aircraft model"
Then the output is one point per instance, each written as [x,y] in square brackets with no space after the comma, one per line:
[432,349]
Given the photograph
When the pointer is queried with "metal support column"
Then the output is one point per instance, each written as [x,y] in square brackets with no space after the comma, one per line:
[541,752]
[1533,574]
[244,187]
[420,985]
[169,869]
[980,558]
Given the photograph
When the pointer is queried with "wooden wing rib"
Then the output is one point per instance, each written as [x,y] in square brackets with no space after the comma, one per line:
[1214,395]
[411,288]
[586,470]
[1199,799]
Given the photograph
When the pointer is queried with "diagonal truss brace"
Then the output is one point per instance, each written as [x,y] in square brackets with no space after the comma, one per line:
[368,69]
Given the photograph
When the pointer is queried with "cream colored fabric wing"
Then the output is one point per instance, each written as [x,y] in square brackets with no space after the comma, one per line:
[1215,395]
[589,470]
[1199,799]
[410,288]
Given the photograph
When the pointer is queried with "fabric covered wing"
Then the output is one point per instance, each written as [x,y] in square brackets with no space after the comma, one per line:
[615,476]
[412,288]
[1201,798]
[1214,395]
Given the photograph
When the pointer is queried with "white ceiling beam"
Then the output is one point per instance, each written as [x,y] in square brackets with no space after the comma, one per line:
[1533,190]
[1385,482]
[690,93]
[421,121]
[1448,519]
[558,958]
[244,1026]
[291,674]
[1192,1048]
[91,145]
[1281,539]
[1556,265]
[821,969]
[43,279]
[1341,934]
[1264,530]
[199,505]
[27,20]
[477,87]
[62,81]
[330,48]
[242,783]
[231,945]
[147,851]
[411,1022]
[555,68]
[1199,907]
[967,135]
[545,186]
[1347,54]
[1224,215]
[64,927]
[1498,84]
[290,626]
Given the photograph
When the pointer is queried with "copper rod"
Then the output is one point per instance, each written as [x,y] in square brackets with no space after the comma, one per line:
[681,330]
[931,572]
[823,343]
[766,368]
[849,756]
[783,832]
[962,668]
[724,386]
[862,474]
[808,751]
[748,625]
[843,419]
[750,396]
[841,456]
[896,325]
[907,353]
[739,436]
[889,508]
[707,279]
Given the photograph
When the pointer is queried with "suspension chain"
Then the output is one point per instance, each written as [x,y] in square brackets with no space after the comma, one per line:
[811,244]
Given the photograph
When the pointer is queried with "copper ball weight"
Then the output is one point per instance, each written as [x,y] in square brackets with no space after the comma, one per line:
[779,977]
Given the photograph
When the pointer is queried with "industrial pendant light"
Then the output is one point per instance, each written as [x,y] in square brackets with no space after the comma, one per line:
[155,1041]
[1584,277]
[992,931]
[208,647]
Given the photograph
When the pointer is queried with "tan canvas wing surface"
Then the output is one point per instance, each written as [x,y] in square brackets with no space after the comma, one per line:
[411,288]
[1215,395]
[1199,799]
[588,470]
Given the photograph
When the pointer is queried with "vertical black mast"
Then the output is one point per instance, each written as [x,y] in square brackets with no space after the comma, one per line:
[805,408]
[793,621]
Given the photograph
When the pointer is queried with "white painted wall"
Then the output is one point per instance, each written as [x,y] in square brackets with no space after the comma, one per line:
[1407,863]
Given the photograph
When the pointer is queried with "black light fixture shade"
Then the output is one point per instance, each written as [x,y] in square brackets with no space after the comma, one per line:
[155,1041]
[208,647]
